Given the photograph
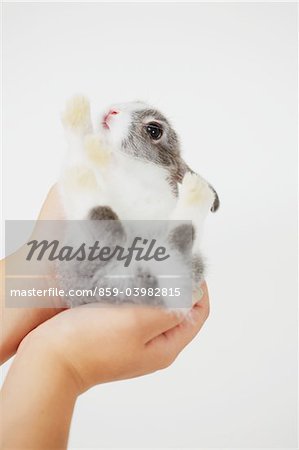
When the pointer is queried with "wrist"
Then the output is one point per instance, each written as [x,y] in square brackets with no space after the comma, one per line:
[45,355]
[16,324]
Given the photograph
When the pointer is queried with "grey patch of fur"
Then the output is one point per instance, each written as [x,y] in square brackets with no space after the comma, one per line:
[198,269]
[145,279]
[216,203]
[90,275]
[164,152]
[110,225]
[182,237]
[102,213]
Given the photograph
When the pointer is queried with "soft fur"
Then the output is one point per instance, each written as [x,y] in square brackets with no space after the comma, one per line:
[118,166]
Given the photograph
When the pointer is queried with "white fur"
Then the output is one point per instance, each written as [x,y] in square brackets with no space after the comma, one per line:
[133,188]
[97,173]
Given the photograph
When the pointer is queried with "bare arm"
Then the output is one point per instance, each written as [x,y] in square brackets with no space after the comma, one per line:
[16,323]
[37,400]
[77,349]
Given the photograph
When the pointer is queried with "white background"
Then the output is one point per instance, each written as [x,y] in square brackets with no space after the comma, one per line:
[226,76]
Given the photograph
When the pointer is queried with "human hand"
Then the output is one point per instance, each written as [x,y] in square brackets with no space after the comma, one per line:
[79,348]
[97,344]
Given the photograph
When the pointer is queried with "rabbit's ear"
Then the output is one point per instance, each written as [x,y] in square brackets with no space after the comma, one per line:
[181,238]
[183,169]
[216,203]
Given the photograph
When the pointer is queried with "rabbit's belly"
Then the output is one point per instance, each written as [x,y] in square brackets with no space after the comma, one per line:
[142,206]
[141,192]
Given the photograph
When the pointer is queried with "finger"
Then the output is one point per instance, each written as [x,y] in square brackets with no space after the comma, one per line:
[169,344]
[181,335]
[153,321]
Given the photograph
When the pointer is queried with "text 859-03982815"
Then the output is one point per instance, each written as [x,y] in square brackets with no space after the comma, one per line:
[140,292]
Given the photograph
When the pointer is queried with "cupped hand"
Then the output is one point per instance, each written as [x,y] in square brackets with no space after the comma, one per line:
[97,344]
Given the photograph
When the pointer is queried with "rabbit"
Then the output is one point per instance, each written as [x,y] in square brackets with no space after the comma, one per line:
[129,168]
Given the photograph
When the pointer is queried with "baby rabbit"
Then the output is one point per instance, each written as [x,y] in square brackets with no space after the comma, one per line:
[129,167]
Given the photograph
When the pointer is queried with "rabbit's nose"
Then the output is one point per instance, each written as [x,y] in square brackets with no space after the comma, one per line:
[107,116]
[112,112]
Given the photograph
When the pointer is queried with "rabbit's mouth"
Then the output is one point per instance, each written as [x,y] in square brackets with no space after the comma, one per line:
[105,125]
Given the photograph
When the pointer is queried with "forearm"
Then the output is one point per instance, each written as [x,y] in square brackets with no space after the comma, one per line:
[37,399]
[16,324]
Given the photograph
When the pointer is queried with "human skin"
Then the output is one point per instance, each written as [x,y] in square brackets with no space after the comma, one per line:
[62,353]
[16,323]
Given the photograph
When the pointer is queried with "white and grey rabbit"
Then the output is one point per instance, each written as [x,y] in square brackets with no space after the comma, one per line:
[129,167]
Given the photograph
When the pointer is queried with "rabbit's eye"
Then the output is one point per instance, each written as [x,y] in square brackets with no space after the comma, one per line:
[154,130]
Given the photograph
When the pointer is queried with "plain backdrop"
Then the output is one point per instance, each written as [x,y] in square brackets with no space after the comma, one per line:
[225,74]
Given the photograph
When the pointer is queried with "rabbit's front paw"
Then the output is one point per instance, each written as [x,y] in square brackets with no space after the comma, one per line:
[196,191]
[95,151]
[77,115]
